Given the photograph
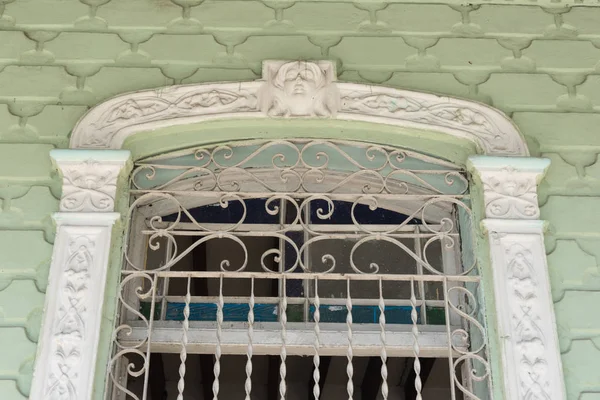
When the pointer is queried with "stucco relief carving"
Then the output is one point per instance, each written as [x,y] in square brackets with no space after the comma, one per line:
[299,89]
[169,103]
[296,89]
[523,289]
[72,312]
[89,184]
[436,113]
[510,192]
[70,322]
[524,307]
[74,298]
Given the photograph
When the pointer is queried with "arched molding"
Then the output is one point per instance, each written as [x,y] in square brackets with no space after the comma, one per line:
[529,356]
[296,90]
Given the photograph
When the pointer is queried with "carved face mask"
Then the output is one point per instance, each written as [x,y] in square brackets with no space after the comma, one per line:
[299,81]
[299,85]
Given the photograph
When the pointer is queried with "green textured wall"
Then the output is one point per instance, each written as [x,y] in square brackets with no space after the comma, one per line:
[539,65]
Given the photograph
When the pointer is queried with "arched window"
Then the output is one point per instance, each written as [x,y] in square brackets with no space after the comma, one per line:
[310,255]
[337,266]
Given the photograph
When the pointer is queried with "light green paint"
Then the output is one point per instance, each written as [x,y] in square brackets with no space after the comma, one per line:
[439,145]
[526,164]
[80,155]
[539,64]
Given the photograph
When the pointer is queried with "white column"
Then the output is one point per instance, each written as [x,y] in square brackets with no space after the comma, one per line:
[524,310]
[66,356]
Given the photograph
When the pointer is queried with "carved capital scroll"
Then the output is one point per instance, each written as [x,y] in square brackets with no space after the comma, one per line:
[527,329]
[509,185]
[89,178]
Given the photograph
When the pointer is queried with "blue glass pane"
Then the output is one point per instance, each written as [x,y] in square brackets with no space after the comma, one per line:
[236,312]
[231,312]
[365,314]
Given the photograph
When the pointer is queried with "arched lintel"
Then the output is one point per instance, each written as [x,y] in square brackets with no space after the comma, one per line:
[173,138]
[314,97]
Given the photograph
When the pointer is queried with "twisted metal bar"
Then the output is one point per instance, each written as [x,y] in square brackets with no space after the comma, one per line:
[283,318]
[349,354]
[415,332]
[217,367]
[449,333]
[384,371]
[149,340]
[184,341]
[317,357]
[248,384]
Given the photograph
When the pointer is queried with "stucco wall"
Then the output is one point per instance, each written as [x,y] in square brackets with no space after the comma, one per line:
[539,65]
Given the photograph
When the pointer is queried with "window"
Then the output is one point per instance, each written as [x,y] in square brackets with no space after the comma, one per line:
[299,269]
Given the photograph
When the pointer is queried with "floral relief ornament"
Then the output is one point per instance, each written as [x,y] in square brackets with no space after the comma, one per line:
[295,89]
[414,109]
[70,329]
[528,334]
[511,194]
[169,103]
[88,186]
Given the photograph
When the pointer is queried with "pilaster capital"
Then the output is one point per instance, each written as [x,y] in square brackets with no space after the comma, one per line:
[509,185]
[89,178]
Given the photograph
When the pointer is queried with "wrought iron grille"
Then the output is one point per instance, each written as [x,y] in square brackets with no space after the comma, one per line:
[299,248]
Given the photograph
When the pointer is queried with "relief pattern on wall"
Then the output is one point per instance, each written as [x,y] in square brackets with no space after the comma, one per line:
[70,329]
[541,65]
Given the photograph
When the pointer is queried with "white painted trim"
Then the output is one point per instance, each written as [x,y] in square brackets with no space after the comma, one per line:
[299,341]
[89,178]
[527,329]
[84,218]
[65,362]
[72,315]
[513,226]
[313,93]
[509,185]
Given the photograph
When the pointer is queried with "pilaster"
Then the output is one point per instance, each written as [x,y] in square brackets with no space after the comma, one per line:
[70,329]
[524,310]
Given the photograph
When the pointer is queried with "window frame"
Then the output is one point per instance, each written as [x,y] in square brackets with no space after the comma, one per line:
[149,202]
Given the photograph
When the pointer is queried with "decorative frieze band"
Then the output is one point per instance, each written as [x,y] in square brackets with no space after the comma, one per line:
[523,307]
[296,89]
[89,178]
